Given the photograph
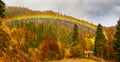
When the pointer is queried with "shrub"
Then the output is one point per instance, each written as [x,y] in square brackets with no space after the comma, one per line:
[76,51]
[51,50]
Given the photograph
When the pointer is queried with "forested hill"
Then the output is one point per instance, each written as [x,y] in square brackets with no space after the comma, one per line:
[85,31]
[48,38]
[60,28]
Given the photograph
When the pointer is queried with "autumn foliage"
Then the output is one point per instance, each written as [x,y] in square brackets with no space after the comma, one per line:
[51,50]
[44,39]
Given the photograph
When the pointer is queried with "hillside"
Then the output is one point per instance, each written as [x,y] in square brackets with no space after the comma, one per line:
[47,35]
[84,31]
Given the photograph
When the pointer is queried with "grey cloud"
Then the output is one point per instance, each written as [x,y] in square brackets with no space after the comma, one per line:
[94,11]
[98,7]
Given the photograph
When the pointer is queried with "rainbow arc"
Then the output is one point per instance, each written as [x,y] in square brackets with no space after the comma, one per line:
[55,17]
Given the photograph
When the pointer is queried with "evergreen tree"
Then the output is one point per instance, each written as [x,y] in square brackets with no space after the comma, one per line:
[4,36]
[75,35]
[117,42]
[99,41]
[75,32]
[2,9]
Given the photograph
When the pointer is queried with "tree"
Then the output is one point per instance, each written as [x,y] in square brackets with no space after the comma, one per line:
[2,9]
[117,42]
[99,45]
[75,35]
[4,37]
[75,32]
[51,50]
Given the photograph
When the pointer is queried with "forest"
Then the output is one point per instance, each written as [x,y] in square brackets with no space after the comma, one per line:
[46,39]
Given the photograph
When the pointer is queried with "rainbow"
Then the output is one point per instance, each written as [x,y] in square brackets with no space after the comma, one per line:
[53,16]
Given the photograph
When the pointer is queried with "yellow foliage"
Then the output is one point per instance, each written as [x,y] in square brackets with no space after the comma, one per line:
[105,33]
[14,29]
[6,29]
[92,39]
[10,48]
[36,50]
[30,49]
[67,53]
[18,36]
[13,42]
[22,41]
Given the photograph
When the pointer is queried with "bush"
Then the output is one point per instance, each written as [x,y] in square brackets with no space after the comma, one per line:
[76,51]
[51,50]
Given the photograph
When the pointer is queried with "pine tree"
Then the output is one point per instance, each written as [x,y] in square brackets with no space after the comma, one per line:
[99,47]
[2,9]
[75,32]
[3,34]
[117,42]
[75,35]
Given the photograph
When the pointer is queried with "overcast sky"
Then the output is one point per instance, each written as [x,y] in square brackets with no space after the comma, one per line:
[106,12]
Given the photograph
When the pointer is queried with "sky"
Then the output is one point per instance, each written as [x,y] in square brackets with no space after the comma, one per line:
[105,12]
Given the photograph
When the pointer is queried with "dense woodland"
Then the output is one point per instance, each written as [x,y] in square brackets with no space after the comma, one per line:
[52,39]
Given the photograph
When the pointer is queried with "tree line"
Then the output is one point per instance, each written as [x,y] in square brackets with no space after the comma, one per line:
[104,48]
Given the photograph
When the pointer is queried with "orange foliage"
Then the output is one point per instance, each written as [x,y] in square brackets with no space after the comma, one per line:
[31,35]
[76,52]
[51,50]
[18,35]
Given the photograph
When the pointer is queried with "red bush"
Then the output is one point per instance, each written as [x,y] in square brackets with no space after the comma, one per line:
[51,50]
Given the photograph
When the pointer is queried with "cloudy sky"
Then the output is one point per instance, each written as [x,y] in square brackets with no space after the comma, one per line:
[106,12]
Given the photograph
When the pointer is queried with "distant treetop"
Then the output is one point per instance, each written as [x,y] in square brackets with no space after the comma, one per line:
[2,9]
